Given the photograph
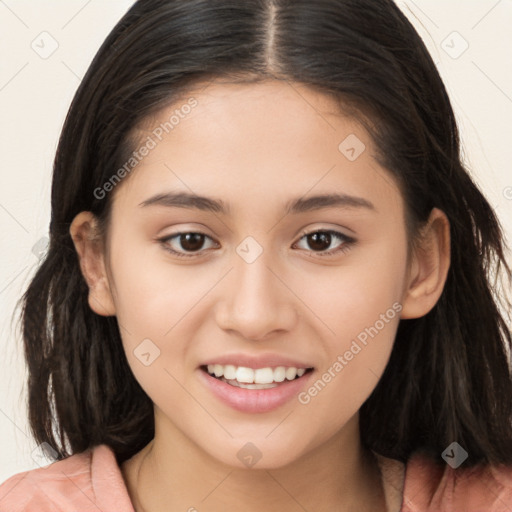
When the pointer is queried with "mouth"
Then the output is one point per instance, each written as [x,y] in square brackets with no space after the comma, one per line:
[255,378]
[255,383]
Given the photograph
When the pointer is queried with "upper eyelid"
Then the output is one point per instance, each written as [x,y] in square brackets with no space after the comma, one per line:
[302,233]
[322,230]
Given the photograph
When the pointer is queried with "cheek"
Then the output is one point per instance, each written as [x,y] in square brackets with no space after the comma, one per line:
[152,299]
[355,355]
[151,293]
[352,297]
[359,303]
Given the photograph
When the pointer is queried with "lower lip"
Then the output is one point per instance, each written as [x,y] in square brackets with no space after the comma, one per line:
[255,400]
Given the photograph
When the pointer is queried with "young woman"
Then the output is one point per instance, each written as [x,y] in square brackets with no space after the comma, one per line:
[271,282]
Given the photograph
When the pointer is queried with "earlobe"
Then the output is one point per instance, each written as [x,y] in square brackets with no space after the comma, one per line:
[89,247]
[429,267]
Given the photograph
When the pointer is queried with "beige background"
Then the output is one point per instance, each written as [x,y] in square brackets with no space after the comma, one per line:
[35,93]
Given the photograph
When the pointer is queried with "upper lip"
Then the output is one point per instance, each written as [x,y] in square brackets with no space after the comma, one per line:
[257,361]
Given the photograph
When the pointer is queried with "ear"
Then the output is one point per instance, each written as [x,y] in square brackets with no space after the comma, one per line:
[90,248]
[429,266]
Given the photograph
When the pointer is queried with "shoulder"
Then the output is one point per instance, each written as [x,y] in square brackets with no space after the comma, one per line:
[84,482]
[431,486]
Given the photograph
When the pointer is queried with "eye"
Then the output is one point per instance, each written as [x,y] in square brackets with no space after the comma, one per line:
[189,241]
[321,239]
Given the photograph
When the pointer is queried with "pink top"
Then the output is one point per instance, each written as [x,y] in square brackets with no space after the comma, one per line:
[92,481]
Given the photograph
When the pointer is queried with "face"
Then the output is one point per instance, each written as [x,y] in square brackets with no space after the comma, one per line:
[267,277]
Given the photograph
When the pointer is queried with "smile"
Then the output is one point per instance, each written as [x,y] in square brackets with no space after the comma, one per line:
[254,390]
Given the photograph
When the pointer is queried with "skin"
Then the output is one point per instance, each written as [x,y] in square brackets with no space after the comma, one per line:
[257,147]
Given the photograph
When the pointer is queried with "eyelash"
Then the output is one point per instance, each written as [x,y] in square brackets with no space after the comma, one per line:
[348,242]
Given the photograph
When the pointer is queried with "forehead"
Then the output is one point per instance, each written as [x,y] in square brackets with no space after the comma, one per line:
[268,108]
[248,143]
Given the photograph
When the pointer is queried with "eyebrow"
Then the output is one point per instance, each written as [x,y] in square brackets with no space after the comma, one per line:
[294,206]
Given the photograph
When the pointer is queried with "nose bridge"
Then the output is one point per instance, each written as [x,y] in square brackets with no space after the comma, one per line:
[253,280]
[256,303]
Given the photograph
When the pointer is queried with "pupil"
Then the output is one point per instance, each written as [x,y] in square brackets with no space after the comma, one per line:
[323,238]
[191,241]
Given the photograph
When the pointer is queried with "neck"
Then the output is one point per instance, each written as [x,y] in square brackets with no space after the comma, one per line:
[171,473]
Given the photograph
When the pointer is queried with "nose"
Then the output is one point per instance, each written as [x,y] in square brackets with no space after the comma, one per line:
[256,301]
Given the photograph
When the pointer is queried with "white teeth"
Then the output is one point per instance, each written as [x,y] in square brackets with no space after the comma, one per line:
[280,374]
[264,376]
[245,375]
[242,374]
[230,372]
[291,373]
